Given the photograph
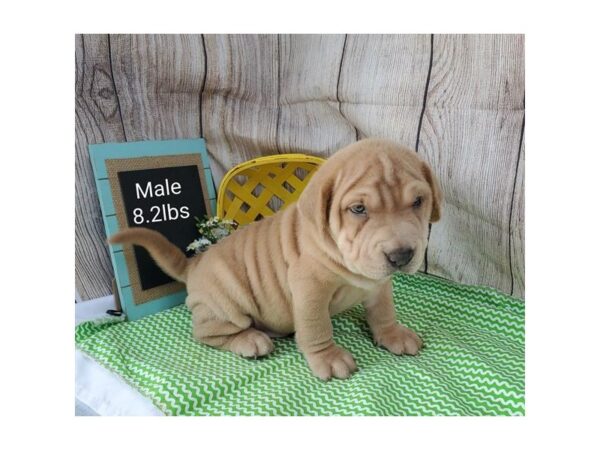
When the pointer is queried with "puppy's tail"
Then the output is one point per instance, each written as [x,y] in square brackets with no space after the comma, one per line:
[168,257]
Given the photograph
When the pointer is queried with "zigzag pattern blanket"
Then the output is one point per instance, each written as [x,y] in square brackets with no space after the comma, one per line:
[472,362]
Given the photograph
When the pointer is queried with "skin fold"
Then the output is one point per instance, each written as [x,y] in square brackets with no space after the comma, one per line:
[363,216]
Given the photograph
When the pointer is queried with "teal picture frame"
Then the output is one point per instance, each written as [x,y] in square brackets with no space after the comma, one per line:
[99,155]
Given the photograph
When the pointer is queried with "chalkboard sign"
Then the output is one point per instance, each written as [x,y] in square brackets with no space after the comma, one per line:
[161,185]
[165,200]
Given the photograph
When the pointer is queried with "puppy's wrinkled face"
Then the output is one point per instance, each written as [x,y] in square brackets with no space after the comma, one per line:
[382,198]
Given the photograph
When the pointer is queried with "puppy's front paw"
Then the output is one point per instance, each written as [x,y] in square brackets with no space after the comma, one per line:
[251,343]
[333,361]
[399,340]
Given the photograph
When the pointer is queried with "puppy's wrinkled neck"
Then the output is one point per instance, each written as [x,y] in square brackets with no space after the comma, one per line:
[320,245]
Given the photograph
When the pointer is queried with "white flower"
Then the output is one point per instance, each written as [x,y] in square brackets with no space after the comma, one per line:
[193,246]
[198,245]
[219,233]
[211,230]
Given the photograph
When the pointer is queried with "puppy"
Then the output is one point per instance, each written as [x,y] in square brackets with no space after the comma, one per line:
[363,216]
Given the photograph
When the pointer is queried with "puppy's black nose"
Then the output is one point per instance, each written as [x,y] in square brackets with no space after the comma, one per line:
[400,257]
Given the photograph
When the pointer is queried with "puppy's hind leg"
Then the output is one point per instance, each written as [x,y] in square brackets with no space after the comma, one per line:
[239,337]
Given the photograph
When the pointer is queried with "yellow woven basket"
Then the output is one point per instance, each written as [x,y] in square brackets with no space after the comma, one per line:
[260,187]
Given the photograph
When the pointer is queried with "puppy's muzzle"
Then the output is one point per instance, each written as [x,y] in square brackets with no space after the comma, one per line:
[400,257]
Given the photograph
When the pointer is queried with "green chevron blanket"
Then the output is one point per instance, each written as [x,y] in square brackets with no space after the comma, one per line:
[472,362]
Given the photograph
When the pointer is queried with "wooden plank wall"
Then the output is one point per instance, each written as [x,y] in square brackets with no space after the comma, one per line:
[457,99]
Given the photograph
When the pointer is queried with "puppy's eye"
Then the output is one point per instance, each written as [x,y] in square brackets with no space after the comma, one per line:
[418,202]
[358,209]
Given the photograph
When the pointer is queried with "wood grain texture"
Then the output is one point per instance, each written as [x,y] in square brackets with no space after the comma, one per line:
[382,84]
[459,101]
[97,120]
[159,79]
[471,136]
[309,111]
[240,98]
[517,228]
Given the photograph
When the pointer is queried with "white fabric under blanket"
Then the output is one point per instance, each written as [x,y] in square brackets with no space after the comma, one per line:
[98,390]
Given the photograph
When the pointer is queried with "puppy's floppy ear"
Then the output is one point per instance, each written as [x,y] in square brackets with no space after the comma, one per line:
[315,201]
[436,211]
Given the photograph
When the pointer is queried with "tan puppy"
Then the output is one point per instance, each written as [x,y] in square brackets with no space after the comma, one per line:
[363,216]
